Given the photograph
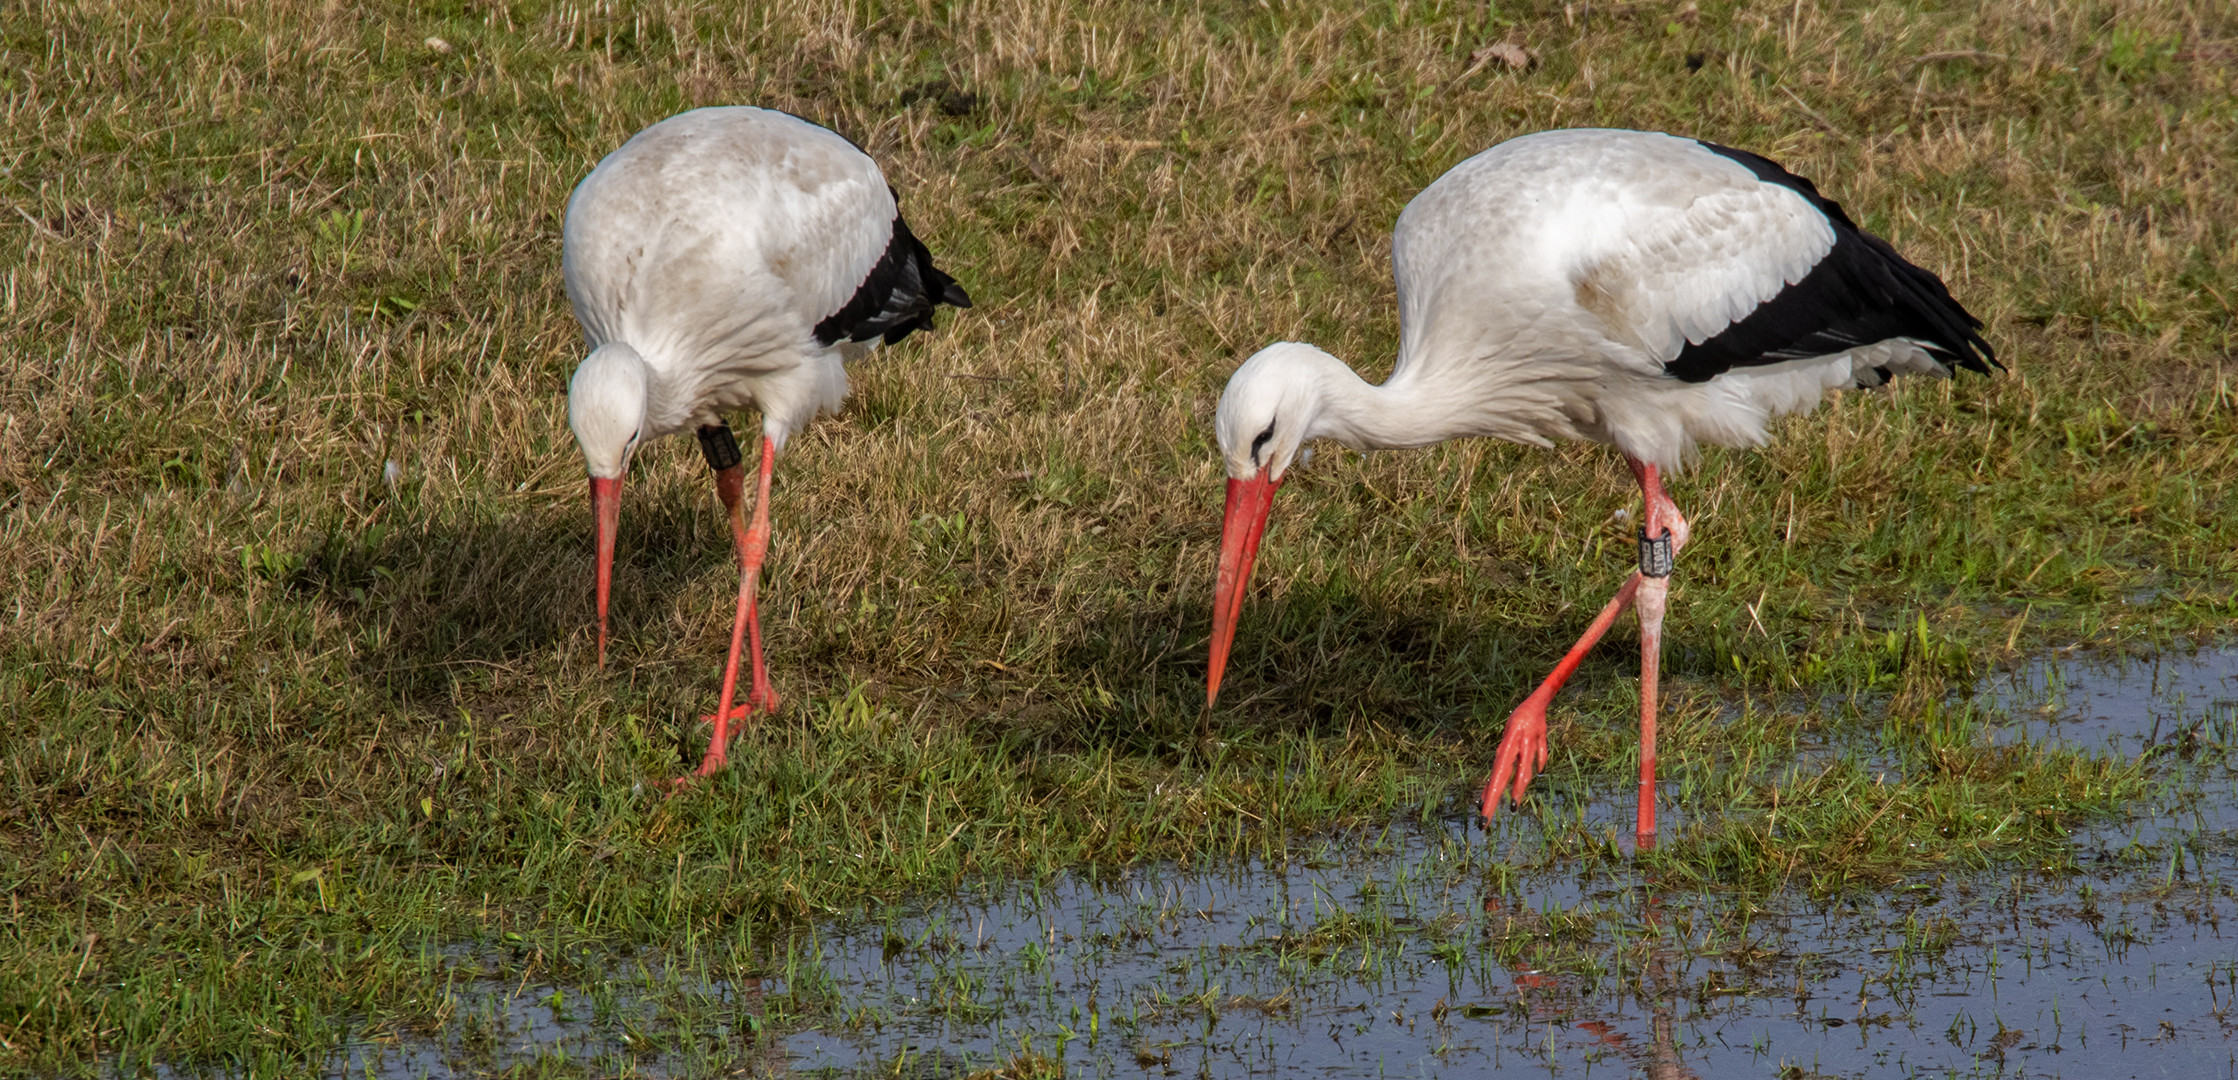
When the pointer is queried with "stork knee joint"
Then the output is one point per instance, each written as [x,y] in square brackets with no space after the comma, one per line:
[1655,555]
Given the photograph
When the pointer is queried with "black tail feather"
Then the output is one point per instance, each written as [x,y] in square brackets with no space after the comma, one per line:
[897,297]
[1862,292]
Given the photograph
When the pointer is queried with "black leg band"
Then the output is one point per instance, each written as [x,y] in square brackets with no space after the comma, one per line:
[720,448]
[1655,555]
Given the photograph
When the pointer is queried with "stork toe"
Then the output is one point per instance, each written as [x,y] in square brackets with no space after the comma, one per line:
[1522,754]
[764,700]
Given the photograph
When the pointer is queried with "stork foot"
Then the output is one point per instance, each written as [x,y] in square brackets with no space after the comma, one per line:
[715,762]
[726,727]
[1522,753]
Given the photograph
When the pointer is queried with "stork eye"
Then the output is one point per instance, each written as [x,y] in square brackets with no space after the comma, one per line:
[1260,441]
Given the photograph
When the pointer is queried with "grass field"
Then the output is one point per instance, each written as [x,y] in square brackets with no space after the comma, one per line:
[296,670]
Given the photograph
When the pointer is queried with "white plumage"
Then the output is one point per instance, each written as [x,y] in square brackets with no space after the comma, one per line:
[722,258]
[711,244]
[1634,288]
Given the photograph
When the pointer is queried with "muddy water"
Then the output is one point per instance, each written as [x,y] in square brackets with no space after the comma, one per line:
[1379,955]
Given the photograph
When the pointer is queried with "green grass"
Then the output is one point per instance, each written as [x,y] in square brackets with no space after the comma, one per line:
[274,726]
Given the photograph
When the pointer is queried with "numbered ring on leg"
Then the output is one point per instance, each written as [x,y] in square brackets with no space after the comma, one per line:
[719,447]
[1655,555]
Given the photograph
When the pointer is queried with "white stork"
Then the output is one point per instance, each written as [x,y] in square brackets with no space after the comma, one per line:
[1629,287]
[721,258]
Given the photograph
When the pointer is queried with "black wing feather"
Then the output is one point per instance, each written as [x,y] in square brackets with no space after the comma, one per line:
[897,297]
[1860,293]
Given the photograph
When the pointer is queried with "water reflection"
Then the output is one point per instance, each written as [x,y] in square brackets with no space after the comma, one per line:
[2128,704]
[1550,999]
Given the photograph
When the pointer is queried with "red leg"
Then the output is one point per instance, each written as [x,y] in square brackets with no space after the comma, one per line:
[753,548]
[1662,513]
[753,551]
[1523,749]
[1653,592]
[1662,517]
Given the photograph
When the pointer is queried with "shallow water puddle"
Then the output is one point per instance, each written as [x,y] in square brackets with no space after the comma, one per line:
[1385,954]
[1393,953]
[2126,705]
[1394,963]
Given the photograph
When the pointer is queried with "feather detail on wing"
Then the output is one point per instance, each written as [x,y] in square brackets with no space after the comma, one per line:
[1672,275]
[897,294]
[721,234]
[1755,267]
[1857,294]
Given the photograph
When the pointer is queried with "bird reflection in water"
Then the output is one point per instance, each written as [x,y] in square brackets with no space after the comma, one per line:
[1549,999]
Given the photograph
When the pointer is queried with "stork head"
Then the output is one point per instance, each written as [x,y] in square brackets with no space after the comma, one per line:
[1271,404]
[606,407]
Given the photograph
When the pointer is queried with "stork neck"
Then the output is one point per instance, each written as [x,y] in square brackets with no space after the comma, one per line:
[1395,415]
[668,405]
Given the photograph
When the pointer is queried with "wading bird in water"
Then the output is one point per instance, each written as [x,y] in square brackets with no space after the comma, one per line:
[722,258]
[1629,287]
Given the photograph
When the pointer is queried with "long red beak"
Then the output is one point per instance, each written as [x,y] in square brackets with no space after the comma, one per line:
[606,509]
[1240,528]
